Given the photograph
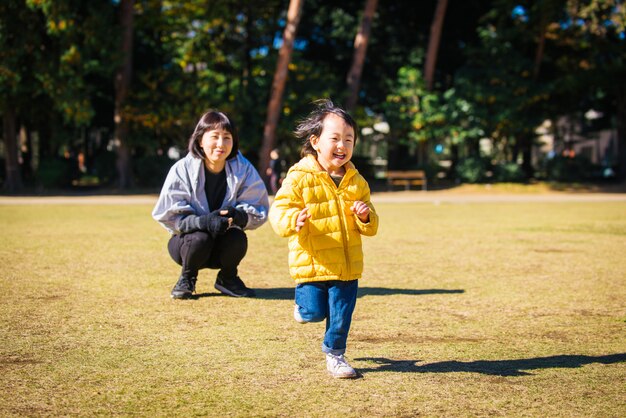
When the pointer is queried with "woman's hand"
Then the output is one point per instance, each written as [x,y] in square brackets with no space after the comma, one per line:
[238,216]
[361,210]
[217,223]
[302,217]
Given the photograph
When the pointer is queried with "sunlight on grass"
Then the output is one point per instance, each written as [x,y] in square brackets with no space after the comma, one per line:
[464,310]
[540,187]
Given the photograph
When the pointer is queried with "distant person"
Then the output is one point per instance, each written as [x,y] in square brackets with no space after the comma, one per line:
[208,200]
[274,170]
[324,207]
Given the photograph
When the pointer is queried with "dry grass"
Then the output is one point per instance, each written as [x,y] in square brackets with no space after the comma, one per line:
[464,310]
[540,187]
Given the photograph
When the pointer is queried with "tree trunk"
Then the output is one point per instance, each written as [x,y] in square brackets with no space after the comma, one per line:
[360,48]
[454,160]
[540,46]
[422,153]
[13,179]
[433,43]
[431,61]
[527,155]
[621,132]
[278,85]
[527,137]
[122,83]
[247,47]
[25,144]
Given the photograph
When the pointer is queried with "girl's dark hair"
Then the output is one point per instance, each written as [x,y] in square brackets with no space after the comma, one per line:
[314,123]
[213,119]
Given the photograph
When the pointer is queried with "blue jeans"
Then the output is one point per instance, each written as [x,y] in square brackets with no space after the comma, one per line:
[333,301]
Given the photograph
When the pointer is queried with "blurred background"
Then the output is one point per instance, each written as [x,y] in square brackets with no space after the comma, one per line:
[104,94]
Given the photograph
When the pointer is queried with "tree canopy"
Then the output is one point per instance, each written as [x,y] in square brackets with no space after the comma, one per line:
[503,68]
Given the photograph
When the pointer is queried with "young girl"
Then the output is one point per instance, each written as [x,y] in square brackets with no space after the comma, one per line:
[324,207]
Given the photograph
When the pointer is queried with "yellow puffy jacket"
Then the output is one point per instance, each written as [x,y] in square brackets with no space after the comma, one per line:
[328,246]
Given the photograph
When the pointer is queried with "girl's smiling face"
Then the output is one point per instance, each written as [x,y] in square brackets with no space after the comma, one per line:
[217,145]
[335,144]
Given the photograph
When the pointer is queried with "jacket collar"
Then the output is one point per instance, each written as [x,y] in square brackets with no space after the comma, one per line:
[197,167]
[310,164]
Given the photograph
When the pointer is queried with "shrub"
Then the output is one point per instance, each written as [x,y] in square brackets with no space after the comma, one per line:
[569,169]
[56,172]
[508,173]
[472,170]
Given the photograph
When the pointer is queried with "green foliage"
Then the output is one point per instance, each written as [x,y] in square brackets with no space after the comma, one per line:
[508,173]
[448,117]
[58,59]
[81,55]
[497,82]
[472,169]
[592,60]
[414,112]
[22,59]
[56,173]
[191,58]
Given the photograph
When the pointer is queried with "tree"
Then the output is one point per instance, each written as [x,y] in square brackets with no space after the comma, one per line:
[13,180]
[18,37]
[420,115]
[414,113]
[433,43]
[594,34]
[122,83]
[188,57]
[507,78]
[26,54]
[278,85]
[360,48]
[69,66]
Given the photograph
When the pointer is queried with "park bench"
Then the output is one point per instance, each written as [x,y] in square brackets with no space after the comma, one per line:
[407,179]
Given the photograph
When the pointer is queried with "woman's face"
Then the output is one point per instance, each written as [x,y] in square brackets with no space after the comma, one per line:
[217,145]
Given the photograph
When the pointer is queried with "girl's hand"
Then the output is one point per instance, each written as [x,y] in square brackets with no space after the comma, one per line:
[302,217]
[361,210]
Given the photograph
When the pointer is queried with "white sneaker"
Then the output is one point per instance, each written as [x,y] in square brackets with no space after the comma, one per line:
[339,367]
[297,316]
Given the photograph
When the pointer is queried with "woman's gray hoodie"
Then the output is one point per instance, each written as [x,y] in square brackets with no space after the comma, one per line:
[183,193]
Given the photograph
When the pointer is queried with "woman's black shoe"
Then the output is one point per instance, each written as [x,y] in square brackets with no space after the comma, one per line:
[184,288]
[233,286]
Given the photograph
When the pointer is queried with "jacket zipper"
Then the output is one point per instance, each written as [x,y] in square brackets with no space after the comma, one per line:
[344,229]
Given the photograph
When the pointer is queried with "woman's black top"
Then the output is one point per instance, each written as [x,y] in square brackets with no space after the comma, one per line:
[215,188]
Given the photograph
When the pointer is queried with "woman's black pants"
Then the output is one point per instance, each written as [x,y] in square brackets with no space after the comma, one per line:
[199,250]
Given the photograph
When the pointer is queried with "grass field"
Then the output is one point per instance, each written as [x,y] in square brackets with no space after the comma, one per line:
[506,309]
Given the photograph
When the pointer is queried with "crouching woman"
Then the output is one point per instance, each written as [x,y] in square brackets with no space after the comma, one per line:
[209,198]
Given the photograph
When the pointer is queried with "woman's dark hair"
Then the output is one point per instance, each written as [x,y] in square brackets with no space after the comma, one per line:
[314,123]
[213,119]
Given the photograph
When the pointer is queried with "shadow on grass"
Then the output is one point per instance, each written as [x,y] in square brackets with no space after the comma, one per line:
[287,293]
[489,367]
[197,296]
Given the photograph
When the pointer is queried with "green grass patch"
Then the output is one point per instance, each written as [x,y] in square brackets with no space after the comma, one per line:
[464,310]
